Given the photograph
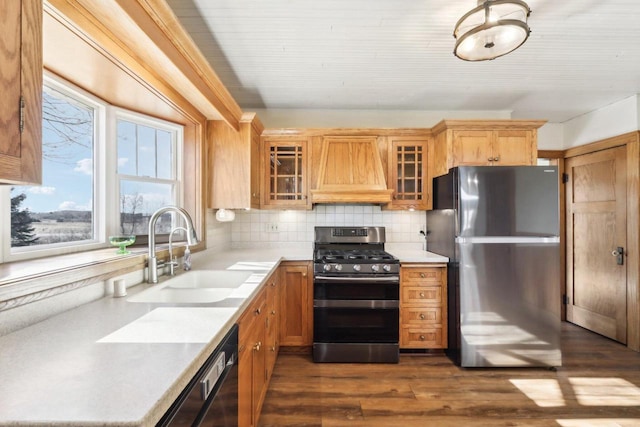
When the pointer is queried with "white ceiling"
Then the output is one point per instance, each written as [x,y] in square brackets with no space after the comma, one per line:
[397,55]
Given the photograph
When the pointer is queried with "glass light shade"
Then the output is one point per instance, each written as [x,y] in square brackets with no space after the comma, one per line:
[225,215]
[492,29]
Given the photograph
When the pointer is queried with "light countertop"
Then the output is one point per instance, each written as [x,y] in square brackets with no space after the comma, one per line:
[119,363]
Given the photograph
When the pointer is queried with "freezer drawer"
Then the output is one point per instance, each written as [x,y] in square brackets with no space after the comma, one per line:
[509,303]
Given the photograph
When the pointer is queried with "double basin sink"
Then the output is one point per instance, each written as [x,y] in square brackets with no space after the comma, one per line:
[197,286]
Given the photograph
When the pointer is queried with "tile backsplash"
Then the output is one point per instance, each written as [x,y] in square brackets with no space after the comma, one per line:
[277,228]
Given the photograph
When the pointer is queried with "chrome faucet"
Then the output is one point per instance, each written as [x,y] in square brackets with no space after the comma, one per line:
[173,261]
[192,238]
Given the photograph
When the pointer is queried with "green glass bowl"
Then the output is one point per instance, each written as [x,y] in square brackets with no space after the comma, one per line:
[122,242]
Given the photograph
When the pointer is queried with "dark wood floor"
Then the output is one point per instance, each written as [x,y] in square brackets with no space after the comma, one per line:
[598,385]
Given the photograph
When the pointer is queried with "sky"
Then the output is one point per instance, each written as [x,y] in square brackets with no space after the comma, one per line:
[67,167]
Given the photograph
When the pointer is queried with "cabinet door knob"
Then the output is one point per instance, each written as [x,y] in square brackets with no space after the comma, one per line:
[258,311]
[421,294]
[273,349]
[496,159]
[422,316]
[422,337]
[273,312]
[257,346]
[422,275]
[304,274]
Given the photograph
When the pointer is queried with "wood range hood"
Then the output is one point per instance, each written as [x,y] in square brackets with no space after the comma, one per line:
[350,171]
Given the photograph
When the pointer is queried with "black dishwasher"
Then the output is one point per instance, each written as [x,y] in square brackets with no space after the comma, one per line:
[211,397]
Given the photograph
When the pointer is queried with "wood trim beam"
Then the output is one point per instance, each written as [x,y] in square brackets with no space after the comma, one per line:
[147,40]
[550,154]
[603,144]
[311,132]
[632,257]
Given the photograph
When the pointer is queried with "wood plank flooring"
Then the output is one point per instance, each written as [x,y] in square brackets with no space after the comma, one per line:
[598,385]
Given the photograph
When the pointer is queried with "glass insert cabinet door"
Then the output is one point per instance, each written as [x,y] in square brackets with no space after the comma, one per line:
[285,166]
[408,169]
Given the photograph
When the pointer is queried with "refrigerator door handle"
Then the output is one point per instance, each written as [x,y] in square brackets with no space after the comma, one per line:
[508,239]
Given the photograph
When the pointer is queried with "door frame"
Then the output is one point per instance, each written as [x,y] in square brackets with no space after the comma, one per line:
[632,259]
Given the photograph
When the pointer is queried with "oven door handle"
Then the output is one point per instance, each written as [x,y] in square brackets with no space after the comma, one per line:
[376,279]
[365,303]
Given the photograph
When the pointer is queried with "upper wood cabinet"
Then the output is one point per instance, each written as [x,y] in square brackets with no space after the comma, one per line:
[235,163]
[21,89]
[483,143]
[408,173]
[285,161]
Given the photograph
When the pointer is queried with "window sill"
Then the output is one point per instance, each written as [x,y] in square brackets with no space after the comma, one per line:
[23,282]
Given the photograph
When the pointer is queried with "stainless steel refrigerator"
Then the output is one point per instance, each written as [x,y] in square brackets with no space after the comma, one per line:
[499,226]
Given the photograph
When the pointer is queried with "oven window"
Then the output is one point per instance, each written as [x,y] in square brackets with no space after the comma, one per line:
[356,325]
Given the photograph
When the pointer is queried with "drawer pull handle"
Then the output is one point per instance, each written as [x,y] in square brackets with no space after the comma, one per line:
[422,275]
[421,294]
[273,285]
[422,337]
[422,316]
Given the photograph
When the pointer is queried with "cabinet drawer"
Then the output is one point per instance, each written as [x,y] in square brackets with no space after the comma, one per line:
[421,337]
[256,310]
[431,295]
[421,316]
[423,275]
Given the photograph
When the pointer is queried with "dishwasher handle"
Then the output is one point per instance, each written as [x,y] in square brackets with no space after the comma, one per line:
[211,377]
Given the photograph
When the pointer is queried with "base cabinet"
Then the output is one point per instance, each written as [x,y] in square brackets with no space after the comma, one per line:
[272,337]
[296,302]
[257,350]
[423,306]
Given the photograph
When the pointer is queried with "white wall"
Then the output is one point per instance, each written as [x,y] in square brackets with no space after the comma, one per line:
[611,120]
[551,136]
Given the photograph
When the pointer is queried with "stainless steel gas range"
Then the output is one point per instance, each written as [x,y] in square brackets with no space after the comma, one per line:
[356,292]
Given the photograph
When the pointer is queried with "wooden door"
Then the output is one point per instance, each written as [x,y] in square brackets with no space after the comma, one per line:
[596,226]
[296,302]
[472,147]
[513,148]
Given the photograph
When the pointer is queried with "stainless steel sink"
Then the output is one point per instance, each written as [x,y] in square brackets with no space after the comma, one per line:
[198,286]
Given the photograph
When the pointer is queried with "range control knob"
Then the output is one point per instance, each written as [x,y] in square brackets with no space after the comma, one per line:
[326,267]
[356,267]
[386,267]
[338,267]
[375,268]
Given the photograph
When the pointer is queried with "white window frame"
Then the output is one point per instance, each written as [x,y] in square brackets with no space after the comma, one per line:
[177,143]
[106,180]
[38,251]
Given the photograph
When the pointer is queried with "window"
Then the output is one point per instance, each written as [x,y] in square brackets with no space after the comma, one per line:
[148,176]
[92,188]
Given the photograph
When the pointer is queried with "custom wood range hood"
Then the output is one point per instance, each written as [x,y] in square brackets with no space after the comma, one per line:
[350,171]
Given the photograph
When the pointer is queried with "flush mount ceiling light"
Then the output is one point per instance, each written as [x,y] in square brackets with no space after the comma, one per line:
[492,29]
